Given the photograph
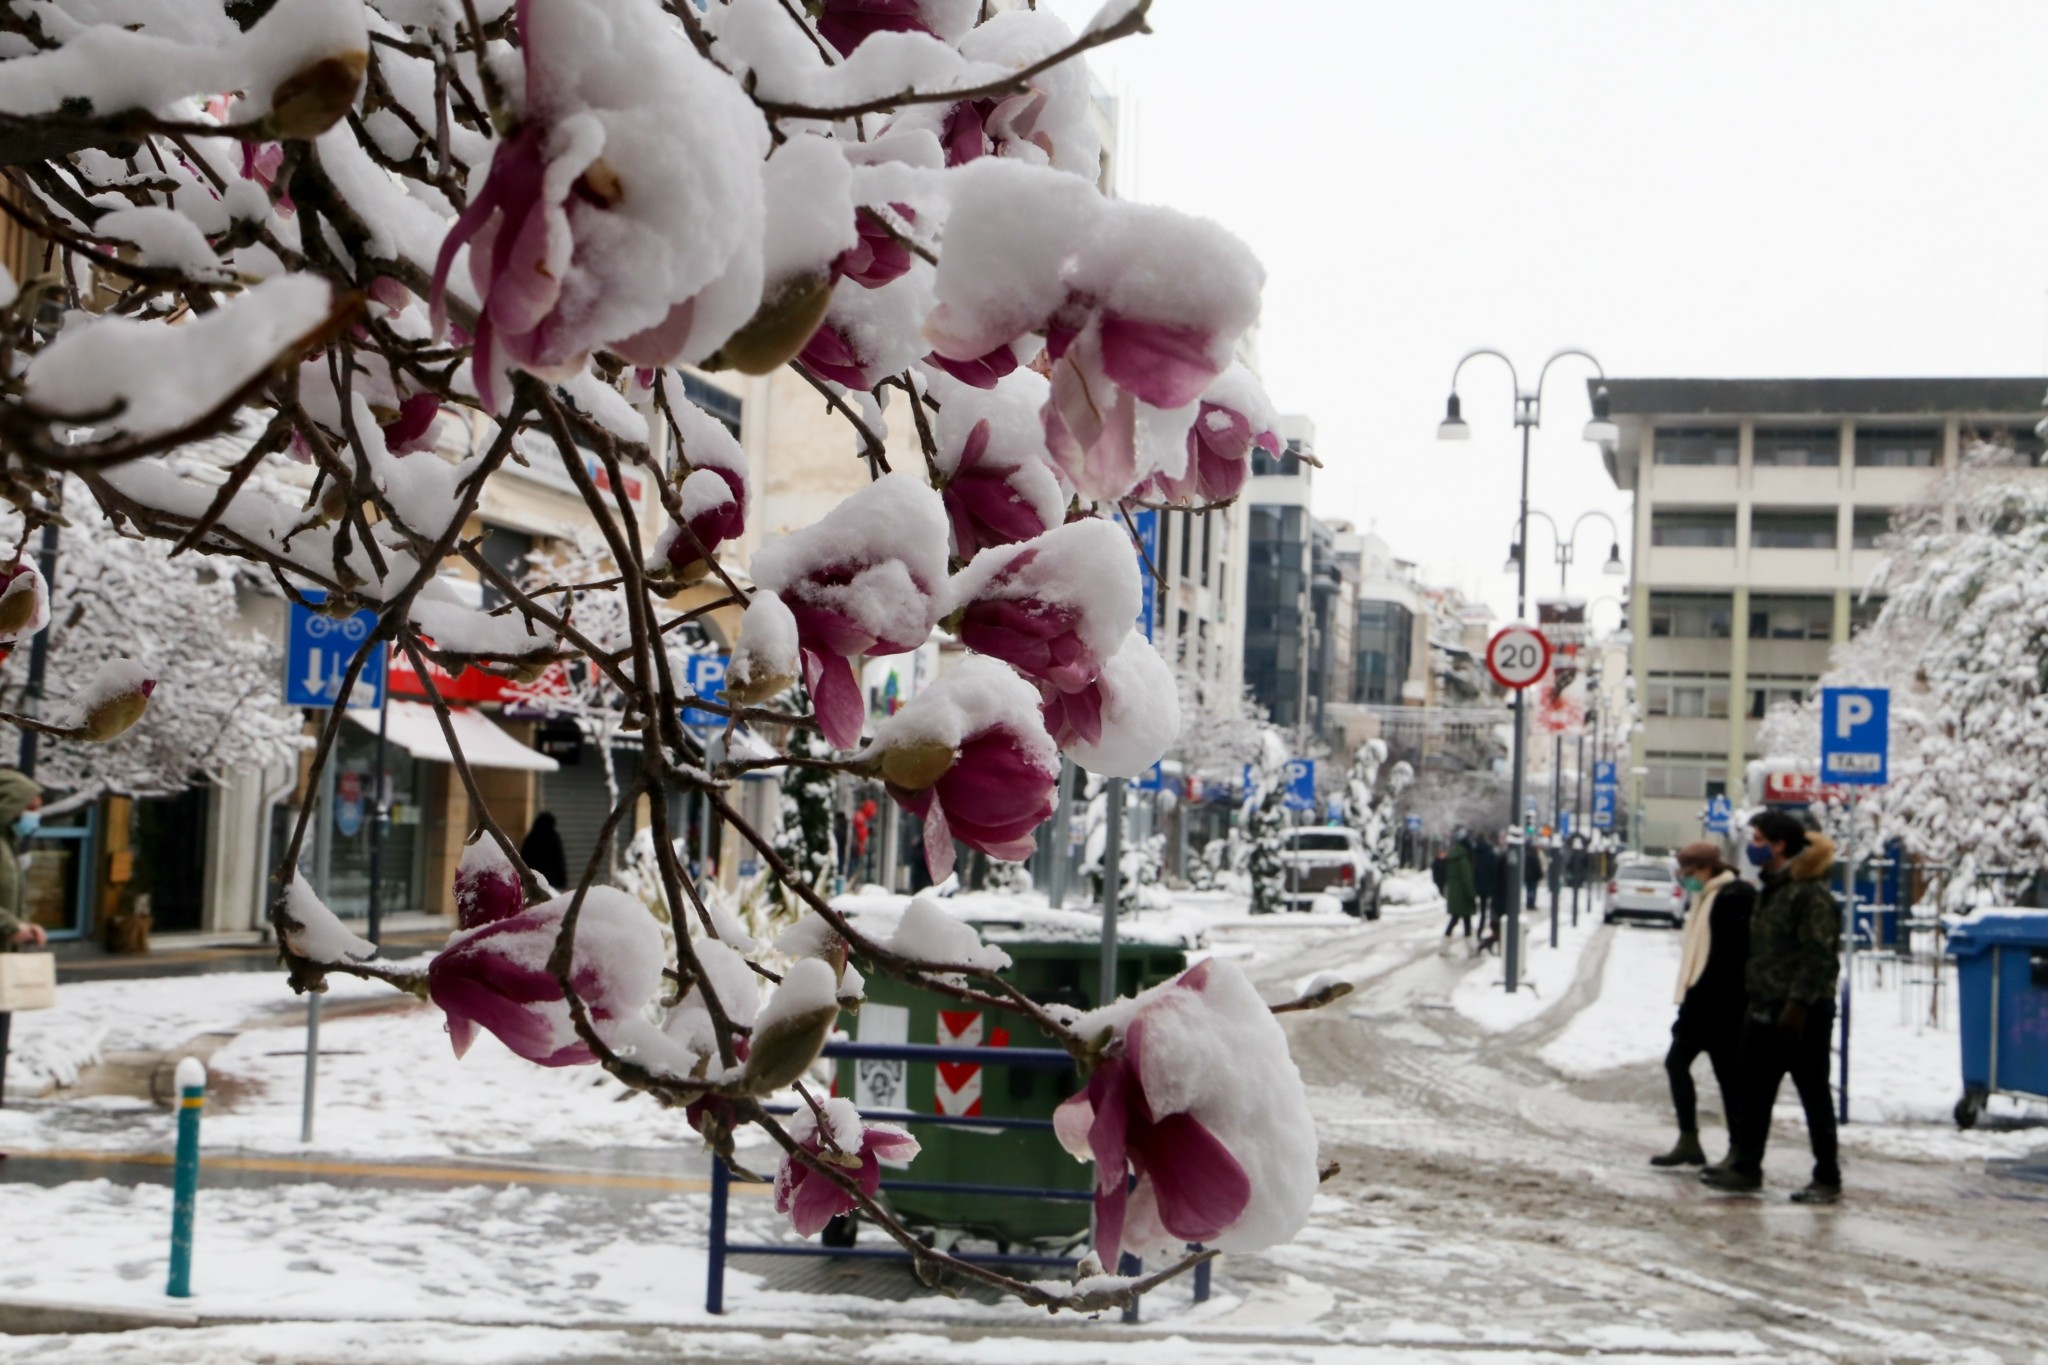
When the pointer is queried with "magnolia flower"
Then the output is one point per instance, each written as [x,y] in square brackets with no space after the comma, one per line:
[811,1198]
[714,511]
[487,887]
[603,221]
[829,355]
[1187,1180]
[24,601]
[970,756]
[863,581]
[113,701]
[983,503]
[413,427]
[1234,417]
[1123,722]
[495,976]
[880,256]
[1055,609]
[846,24]
[982,371]
[1104,378]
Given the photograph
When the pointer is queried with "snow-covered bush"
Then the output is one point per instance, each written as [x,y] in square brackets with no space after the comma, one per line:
[318,270]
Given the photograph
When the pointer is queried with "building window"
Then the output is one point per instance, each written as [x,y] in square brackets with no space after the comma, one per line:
[506,551]
[1689,698]
[1868,527]
[1797,447]
[1382,643]
[1286,464]
[2018,435]
[1792,530]
[1898,447]
[1697,445]
[1791,618]
[1676,616]
[1693,530]
[714,400]
[1767,690]
[1684,777]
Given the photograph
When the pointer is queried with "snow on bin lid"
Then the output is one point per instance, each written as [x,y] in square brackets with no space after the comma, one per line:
[1979,932]
[1013,919]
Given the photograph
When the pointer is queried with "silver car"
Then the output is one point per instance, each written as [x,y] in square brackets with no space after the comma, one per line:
[1642,889]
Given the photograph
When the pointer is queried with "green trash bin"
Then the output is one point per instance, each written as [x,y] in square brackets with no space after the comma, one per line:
[1061,971]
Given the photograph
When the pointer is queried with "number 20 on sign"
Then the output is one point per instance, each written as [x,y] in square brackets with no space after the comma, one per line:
[1518,656]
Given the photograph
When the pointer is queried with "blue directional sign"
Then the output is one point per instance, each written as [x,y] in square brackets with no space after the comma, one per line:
[705,677]
[1720,815]
[1415,824]
[1146,520]
[317,654]
[1152,779]
[1301,784]
[1855,736]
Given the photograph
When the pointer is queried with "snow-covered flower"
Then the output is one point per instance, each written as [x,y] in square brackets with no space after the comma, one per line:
[1055,608]
[970,756]
[1234,417]
[830,355]
[624,209]
[880,257]
[487,888]
[812,1199]
[715,492]
[846,24]
[764,658]
[999,488]
[865,580]
[496,977]
[1196,1098]
[412,428]
[24,601]
[113,701]
[1123,723]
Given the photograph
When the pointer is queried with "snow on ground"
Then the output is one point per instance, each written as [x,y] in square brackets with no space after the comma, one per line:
[1630,1022]
[93,1018]
[1547,972]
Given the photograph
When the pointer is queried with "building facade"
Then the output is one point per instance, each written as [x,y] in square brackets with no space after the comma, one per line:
[1759,505]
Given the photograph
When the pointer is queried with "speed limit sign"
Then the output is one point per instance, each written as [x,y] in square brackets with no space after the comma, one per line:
[1518,656]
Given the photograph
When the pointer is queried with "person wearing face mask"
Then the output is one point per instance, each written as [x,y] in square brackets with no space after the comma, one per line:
[1710,993]
[1794,962]
[20,803]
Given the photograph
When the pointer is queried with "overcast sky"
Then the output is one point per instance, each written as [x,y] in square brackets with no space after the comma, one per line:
[1770,189]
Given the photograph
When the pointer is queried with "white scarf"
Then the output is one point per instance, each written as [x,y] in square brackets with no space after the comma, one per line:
[1699,935]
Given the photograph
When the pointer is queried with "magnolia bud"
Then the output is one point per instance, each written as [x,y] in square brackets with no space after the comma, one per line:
[779,328]
[915,767]
[24,603]
[487,889]
[315,98]
[764,661]
[114,701]
[792,1027]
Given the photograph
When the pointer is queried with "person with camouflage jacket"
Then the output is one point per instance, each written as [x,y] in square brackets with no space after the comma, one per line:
[1795,942]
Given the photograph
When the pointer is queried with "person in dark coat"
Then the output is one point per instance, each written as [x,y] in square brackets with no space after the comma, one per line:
[1486,875]
[1795,964]
[1440,870]
[1461,896]
[543,852]
[1710,993]
[1532,873]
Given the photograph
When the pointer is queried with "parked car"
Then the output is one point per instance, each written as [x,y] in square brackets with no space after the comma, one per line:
[1330,860]
[1642,888]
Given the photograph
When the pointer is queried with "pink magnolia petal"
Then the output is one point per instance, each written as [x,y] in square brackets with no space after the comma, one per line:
[836,697]
[890,1143]
[659,344]
[1201,1188]
[1070,1124]
[1109,1221]
[815,1201]
[938,844]
[982,371]
[1163,365]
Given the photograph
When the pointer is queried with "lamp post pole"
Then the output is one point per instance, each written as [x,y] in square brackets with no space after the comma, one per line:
[1528,416]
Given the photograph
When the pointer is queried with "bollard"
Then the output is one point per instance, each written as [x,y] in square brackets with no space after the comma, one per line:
[185,1174]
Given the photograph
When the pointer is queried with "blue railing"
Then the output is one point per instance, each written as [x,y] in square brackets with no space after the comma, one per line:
[1037,1059]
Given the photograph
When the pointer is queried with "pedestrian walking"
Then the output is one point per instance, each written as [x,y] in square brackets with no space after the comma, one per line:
[1710,994]
[1440,871]
[543,852]
[1532,873]
[1461,893]
[21,803]
[1486,878]
[1794,962]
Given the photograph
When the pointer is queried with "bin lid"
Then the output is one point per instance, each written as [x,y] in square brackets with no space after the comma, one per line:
[1979,932]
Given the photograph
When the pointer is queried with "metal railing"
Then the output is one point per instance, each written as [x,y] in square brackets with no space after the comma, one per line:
[1037,1059]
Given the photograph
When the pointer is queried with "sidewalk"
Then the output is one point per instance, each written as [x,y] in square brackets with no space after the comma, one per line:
[246,951]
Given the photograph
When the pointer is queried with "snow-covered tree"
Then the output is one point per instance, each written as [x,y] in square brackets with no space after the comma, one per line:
[1266,824]
[318,269]
[216,704]
[1372,791]
[804,837]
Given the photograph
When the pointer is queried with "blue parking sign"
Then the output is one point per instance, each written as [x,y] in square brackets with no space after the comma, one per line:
[1603,805]
[705,677]
[1146,522]
[317,652]
[1301,784]
[1855,736]
[1603,773]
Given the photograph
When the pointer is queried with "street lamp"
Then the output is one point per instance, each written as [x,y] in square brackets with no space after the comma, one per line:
[1528,416]
[1567,545]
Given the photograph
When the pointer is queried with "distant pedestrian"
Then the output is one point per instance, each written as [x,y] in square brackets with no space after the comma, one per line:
[1440,870]
[1461,893]
[1710,994]
[1794,962]
[1486,875]
[543,852]
[1532,872]
[21,802]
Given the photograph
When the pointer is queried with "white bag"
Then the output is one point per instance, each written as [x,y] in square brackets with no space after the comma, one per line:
[28,981]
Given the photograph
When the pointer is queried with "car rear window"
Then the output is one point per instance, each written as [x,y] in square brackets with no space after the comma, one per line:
[1644,872]
[1320,841]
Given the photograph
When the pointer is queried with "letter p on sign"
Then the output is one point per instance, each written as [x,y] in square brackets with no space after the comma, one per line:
[1853,711]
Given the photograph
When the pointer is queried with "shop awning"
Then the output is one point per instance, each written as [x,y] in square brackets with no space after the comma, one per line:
[414,728]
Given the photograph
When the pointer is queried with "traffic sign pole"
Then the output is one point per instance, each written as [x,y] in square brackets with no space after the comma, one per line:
[1518,656]
[1855,751]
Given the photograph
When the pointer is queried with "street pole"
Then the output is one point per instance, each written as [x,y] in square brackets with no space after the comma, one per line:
[323,861]
[1057,838]
[1557,825]
[380,800]
[1511,955]
[1112,886]
[1849,952]
[1579,815]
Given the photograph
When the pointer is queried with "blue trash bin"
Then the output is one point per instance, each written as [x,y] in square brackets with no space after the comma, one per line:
[2002,974]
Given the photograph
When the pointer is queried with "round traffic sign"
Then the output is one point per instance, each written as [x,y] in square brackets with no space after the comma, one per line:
[1518,656]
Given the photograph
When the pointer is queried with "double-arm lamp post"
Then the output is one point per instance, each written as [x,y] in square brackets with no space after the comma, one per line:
[1528,416]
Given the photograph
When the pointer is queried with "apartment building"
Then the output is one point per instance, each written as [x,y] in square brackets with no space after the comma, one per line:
[1279,613]
[1759,505]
